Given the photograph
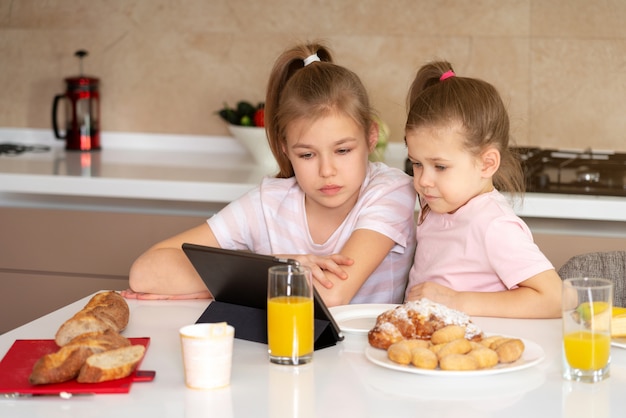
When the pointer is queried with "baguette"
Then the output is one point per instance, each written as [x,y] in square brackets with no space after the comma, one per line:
[111,365]
[104,311]
[65,364]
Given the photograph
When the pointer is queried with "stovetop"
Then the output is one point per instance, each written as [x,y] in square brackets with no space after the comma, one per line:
[574,172]
[585,172]
[10,148]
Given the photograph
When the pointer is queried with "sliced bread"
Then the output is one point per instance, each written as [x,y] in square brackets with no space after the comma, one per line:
[66,363]
[110,365]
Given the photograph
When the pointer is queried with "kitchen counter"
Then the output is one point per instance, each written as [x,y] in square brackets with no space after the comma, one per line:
[178,174]
[132,172]
[340,381]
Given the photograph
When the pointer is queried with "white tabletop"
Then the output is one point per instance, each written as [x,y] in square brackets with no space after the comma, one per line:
[341,381]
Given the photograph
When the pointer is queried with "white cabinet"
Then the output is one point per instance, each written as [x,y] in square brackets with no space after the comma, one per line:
[560,248]
[49,258]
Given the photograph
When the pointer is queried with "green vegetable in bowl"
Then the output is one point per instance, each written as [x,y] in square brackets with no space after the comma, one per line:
[245,121]
[243,114]
[229,115]
[245,108]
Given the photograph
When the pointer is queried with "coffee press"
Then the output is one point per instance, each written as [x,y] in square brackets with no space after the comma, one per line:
[82,111]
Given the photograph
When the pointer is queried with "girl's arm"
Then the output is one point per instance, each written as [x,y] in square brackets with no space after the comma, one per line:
[536,297]
[366,249]
[164,272]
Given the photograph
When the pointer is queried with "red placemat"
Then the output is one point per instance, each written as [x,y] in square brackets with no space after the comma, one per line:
[17,364]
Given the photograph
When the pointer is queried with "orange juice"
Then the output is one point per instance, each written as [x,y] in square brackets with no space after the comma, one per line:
[587,350]
[290,326]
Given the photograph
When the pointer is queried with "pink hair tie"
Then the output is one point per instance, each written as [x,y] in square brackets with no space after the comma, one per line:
[447,75]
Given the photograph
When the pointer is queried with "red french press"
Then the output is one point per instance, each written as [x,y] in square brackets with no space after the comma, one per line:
[82,111]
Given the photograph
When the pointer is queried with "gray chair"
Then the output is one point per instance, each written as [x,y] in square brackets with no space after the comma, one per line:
[608,265]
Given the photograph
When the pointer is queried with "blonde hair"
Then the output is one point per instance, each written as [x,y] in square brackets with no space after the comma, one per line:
[296,92]
[436,101]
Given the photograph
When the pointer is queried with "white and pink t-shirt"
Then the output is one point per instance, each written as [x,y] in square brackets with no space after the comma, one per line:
[271,219]
[482,247]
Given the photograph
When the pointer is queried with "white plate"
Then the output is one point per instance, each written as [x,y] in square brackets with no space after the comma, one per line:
[618,342]
[358,318]
[533,354]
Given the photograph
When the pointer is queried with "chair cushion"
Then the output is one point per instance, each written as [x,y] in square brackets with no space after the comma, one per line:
[608,265]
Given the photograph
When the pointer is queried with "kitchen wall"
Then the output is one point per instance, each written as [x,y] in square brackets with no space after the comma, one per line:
[166,66]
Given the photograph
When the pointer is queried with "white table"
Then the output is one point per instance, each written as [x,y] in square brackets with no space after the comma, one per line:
[340,382]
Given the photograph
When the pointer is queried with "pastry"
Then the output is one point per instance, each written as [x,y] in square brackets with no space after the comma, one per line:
[400,352]
[509,350]
[447,334]
[485,357]
[424,358]
[418,320]
[460,346]
[488,341]
[459,355]
[458,362]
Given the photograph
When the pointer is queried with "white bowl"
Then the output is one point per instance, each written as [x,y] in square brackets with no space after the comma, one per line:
[255,141]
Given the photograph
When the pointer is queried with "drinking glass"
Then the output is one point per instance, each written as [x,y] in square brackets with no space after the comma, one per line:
[587,307]
[290,314]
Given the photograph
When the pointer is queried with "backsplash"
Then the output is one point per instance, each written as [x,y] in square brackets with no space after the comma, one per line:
[167,66]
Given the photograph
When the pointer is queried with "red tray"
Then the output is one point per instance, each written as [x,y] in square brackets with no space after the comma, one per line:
[17,364]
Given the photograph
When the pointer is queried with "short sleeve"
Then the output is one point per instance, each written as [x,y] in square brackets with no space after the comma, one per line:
[388,206]
[512,252]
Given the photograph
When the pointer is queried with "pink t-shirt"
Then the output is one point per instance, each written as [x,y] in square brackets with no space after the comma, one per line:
[271,219]
[482,247]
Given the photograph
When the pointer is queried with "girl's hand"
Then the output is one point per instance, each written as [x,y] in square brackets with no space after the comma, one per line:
[130,294]
[319,265]
[433,291]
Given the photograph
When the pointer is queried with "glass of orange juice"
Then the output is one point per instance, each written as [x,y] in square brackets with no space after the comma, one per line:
[290,314]
[587,305]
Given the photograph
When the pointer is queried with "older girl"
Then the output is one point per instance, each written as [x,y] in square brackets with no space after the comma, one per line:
[350,220]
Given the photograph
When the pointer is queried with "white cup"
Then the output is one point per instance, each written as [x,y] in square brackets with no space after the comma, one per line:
[207,354]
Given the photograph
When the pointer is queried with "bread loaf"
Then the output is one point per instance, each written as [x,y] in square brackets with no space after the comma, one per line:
[66,363]
[110,365]
[104,311]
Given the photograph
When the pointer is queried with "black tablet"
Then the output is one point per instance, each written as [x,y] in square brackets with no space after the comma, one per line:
[238,282]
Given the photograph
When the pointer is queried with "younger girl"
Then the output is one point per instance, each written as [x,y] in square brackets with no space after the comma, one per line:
[350,220]
[473,253]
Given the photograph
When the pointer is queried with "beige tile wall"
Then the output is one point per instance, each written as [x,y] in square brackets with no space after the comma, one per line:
[167,65]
